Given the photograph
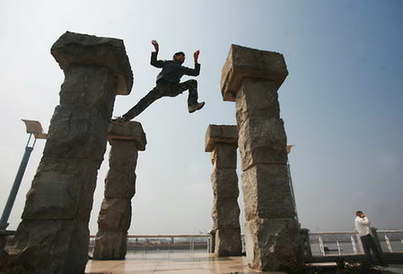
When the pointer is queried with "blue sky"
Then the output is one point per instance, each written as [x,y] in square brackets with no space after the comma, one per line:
[341,103]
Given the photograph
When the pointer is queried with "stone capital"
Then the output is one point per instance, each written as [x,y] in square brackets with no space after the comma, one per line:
[227,134]
[128,131]
[243,62]
[75,48]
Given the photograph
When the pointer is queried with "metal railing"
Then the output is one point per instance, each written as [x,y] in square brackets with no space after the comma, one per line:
[349,243]
[321,243]
[167,243]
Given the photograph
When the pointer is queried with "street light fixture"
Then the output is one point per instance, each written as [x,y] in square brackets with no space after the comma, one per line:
[289,147]
[33,128]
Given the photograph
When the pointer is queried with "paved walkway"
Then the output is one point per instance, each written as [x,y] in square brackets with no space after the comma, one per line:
[172,262]
[180,262]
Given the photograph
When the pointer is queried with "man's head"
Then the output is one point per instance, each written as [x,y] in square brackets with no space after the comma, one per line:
[179,56]
[359,213]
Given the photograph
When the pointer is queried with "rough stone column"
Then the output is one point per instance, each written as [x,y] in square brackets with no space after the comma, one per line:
[126,139]
[222,142]
[251,78]
[53,236]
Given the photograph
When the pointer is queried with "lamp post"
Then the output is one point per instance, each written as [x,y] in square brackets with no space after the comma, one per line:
[33,128]
[289,148]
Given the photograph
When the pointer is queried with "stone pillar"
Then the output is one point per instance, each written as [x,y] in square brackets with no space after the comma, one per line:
[251,78]
[222,142]
[126,139]
[53,236]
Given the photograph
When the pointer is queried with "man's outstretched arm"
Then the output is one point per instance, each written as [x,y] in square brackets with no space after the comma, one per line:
[154,62]
[196,70]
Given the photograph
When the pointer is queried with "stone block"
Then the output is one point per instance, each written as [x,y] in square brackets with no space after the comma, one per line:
[61,189]
[220,134]
[120,181]
[130,131]
[228,242]
[262,141]
[88,88]
[273,245]
[267,192]
[125,189]
[257,99]
[224,156]
[110,245]
[226,213]
[243,62]
[75,48]
[76,134]
[57,237]
[115,215]
[224,183]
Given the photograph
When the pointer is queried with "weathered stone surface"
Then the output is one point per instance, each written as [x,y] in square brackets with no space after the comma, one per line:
[221,142]
[53,195]
[243,62]
[130,131]
[115,215]
[120,181]
[228,242]
[251,78]
[257,99]
[41,247]
[212,239]
[126,138]
[267,192]
[226,213]
[53,235]
[272,150]
[259,120]
[273,244]
[220,134]
[77,129]
[110,245]
[72,48]
[225,153]
[225,182]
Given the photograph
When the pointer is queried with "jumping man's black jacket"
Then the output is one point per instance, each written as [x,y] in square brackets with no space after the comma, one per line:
[172,70]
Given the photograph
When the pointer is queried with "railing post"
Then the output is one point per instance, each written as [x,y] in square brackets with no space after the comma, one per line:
[338,247]
[388,243]
[321,246]
[353,245]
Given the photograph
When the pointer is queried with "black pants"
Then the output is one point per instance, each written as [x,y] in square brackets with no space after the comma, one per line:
[161,90]
[368,244]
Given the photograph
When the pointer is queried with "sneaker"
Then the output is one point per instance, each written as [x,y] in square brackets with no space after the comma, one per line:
[195,107]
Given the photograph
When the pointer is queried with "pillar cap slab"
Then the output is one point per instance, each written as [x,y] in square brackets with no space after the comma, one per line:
[77,48]
[243,62]
[227,134]
[128,131]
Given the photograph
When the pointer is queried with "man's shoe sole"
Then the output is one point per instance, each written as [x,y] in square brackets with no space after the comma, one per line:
[200,107]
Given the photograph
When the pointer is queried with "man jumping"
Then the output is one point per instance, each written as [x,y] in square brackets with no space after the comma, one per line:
[168,82]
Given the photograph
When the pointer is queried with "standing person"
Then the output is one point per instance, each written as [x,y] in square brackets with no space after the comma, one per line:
[168,82]
[362,226]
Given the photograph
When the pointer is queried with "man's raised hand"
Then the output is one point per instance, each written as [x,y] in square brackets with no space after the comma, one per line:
[155,44]
[196,55]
